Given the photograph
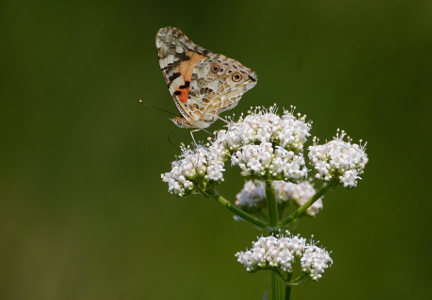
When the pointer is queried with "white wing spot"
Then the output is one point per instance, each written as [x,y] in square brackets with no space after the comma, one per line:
[179,49]
[166,61]
[177,82]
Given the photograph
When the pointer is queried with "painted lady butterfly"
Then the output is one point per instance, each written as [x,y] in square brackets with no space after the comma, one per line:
[203,84]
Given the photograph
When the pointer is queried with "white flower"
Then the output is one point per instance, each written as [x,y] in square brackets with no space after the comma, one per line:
[314,261]
[295,244]
[196,167]
[264,159]
[339,160]
[294,131]
[265,144]
[300,193]
[282,251]
[251,195]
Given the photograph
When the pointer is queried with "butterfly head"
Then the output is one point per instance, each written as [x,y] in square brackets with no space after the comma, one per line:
[181,122]
[200,123]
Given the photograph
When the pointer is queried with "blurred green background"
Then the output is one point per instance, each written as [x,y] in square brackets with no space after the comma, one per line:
[83,212]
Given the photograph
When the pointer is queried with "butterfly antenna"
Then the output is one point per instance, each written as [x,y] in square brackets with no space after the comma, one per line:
[171,142]
[156,107]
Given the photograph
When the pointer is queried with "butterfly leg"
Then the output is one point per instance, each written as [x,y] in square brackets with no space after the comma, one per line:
[191,133]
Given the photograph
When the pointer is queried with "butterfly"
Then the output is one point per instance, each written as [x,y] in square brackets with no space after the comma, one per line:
[203,84]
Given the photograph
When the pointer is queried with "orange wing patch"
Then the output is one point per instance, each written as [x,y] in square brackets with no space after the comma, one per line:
[186,69]
[183,94]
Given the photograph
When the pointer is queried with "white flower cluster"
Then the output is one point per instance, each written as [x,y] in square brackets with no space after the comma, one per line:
[339,160]
[282,251]
[265,144]
[196,167]
[263,159]
[300,193]
[314,261]
[253,195]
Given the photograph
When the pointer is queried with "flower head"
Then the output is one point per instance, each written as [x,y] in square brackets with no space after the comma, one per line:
[195,169]
[299,193]
[339,160]
[315,261]
[268,146]
[282,251]
[265,144]
[253,195]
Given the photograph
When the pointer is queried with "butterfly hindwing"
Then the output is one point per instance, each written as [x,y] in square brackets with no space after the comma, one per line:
[218,82]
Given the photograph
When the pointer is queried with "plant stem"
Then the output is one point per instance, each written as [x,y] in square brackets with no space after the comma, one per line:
[305,206]
[287,292]
[237,211]
[271,204]
[288,289]
[276,282]
[276,286]
[300,279]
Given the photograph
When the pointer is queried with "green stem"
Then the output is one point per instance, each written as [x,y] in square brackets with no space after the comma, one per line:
[287,292]
[237,211]
[305,206]
[271,204]
[276,286]
[300,279]
[288,288]
[276,280]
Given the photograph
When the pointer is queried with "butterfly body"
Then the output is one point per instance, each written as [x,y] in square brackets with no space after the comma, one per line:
[202,84]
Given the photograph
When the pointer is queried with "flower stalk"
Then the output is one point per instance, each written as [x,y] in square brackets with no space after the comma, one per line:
[276,281]
[235,210]
[277,286]
[271,204]
[301,210]
[288,289]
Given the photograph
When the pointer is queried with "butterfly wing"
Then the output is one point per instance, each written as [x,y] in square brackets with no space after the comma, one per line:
[178,56]
[202,84]
[218,83]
